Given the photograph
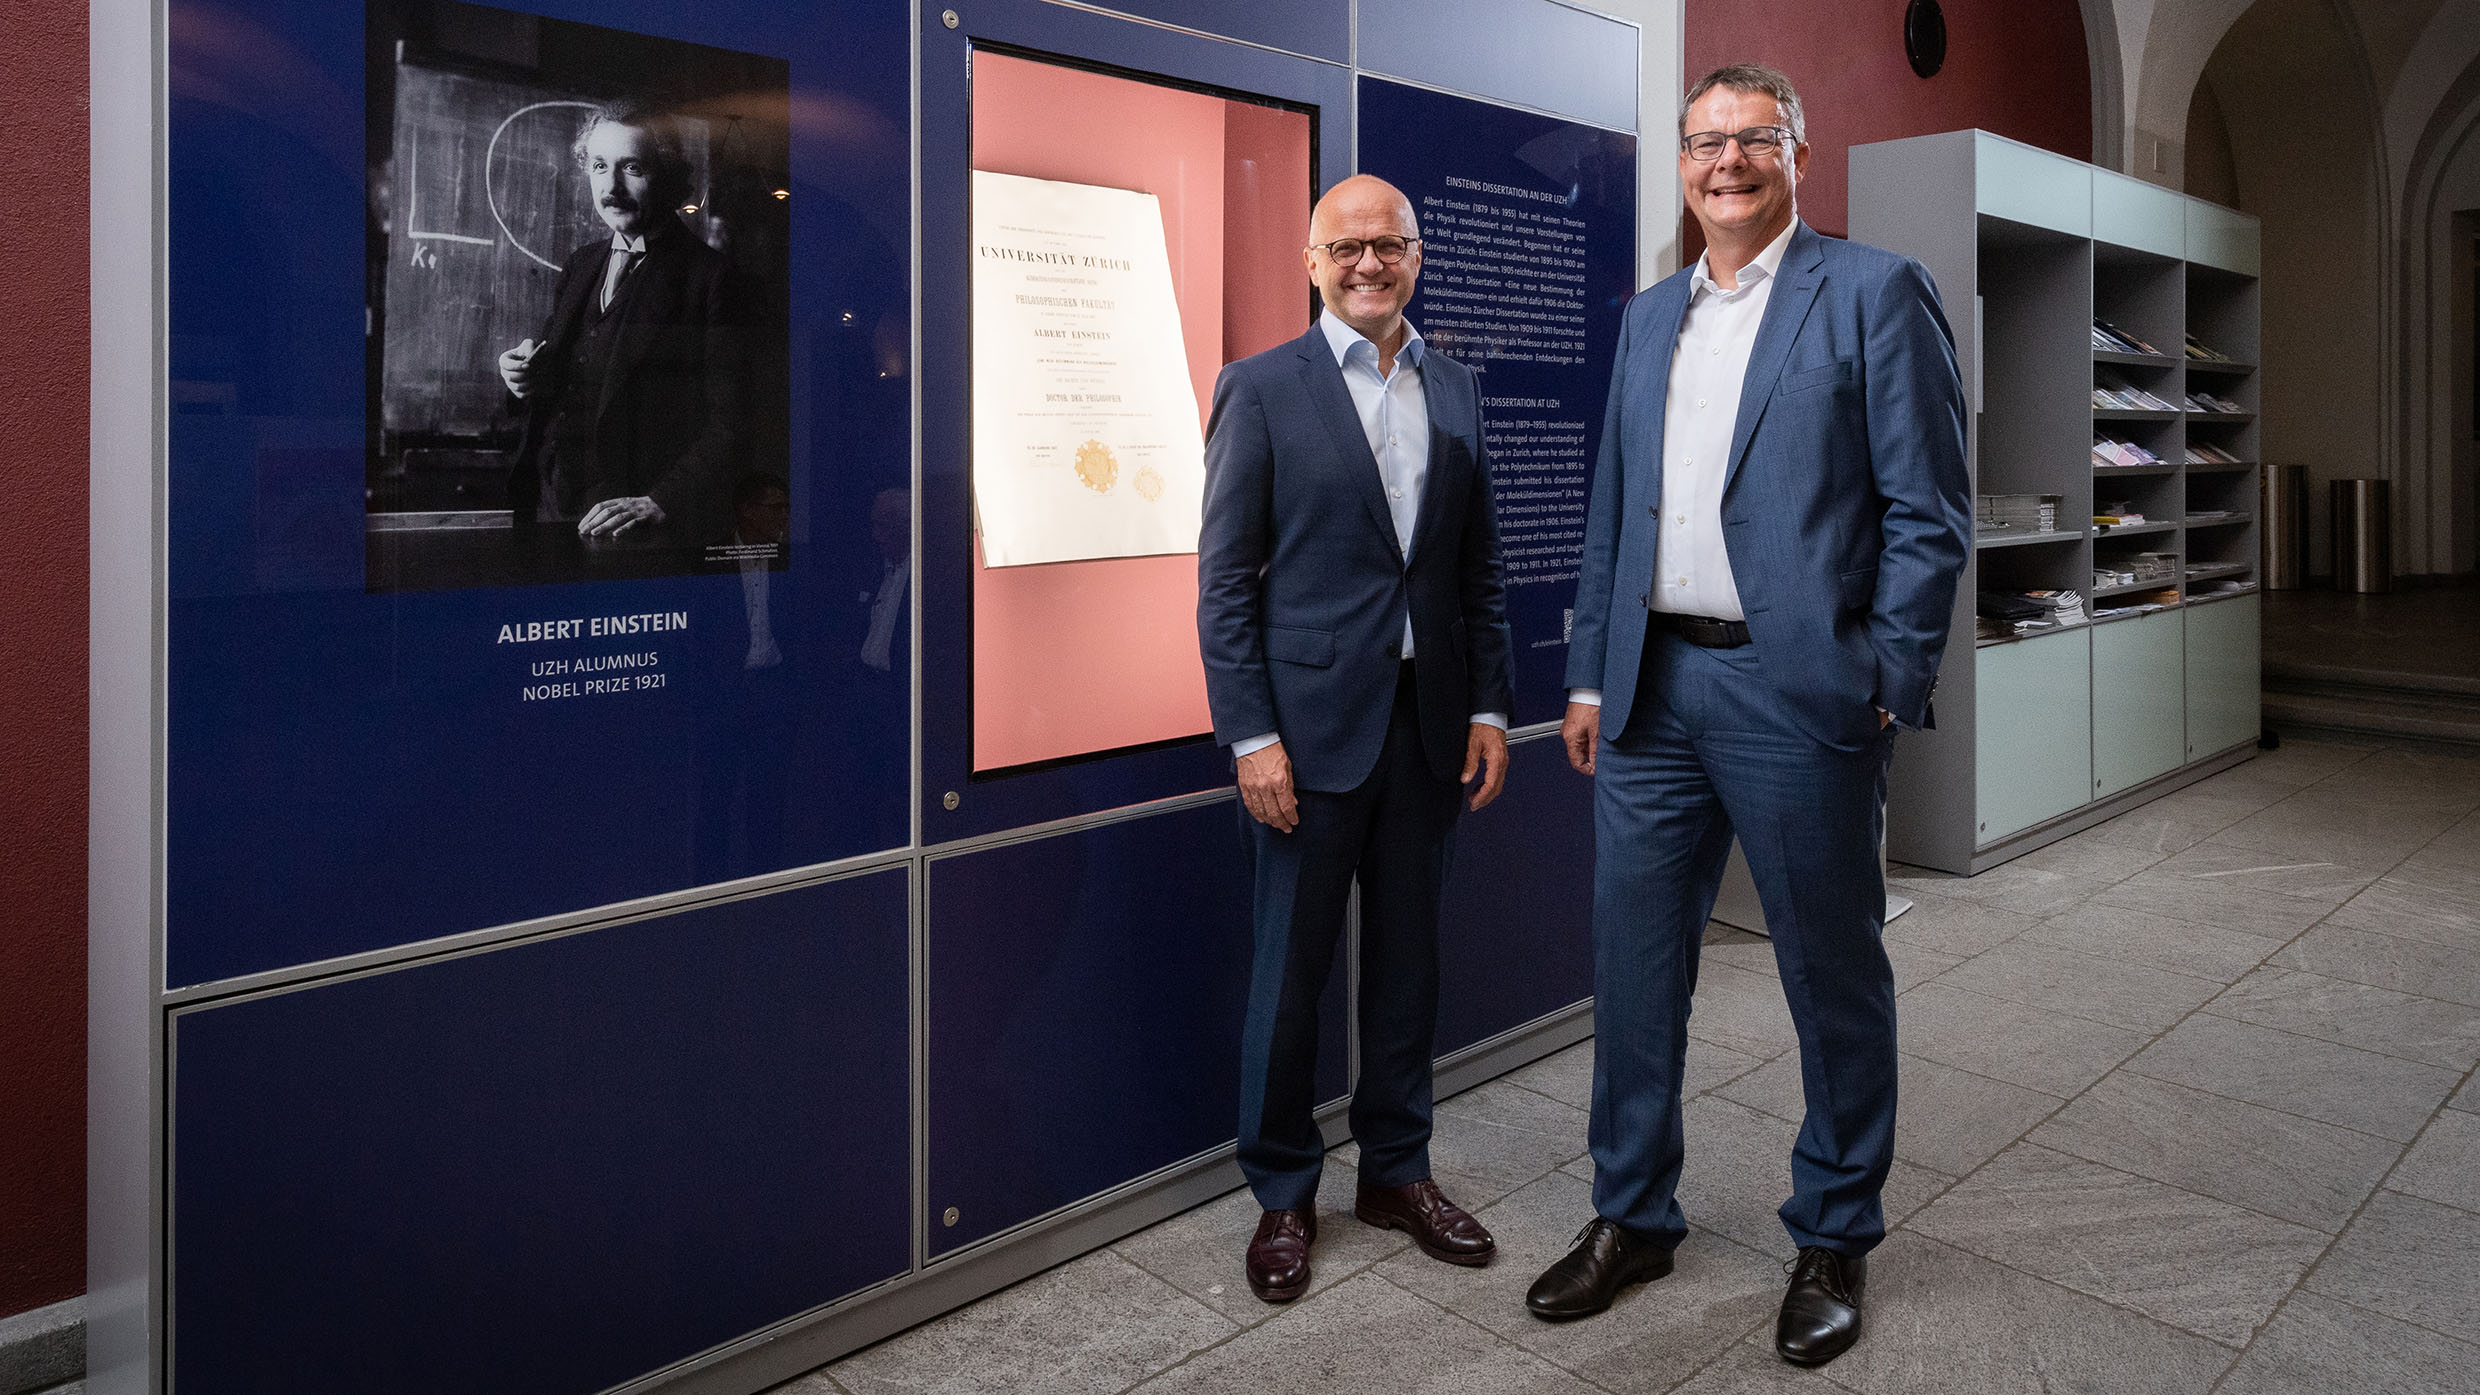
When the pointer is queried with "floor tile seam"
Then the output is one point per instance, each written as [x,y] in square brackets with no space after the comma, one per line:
[2234,1352]
[2057,1011]
[2129,1065]
[1467,1118]
[2000,1080]
[2334,1041]
[2207,1011]
[2180,922]
[1530,1090]
[2456,1338]
[2049,1007]
[2121,1166]
[1168,1282]
[1239,1330]
[1498,1337]
[2323,920]
[2390,988]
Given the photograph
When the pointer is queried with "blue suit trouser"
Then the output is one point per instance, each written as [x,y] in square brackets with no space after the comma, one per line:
[1710,748]
[1392,833]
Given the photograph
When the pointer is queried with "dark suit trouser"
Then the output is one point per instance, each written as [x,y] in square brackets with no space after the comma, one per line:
[1393,831]
[1710,748]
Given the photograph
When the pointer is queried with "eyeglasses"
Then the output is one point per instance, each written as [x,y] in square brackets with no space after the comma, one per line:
[1755,142]
[1347,250]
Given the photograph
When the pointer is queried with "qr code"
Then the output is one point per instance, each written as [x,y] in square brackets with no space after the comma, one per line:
[1567,625]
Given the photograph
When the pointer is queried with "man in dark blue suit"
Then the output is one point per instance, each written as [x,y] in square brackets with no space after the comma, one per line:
[1779,519]
[1353,625]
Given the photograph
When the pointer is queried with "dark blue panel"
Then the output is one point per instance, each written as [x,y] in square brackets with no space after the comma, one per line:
[1317,28]
[350,770]
[549,1168]
[1534,52]
[1529,252]
[1515,941]
[1086,994]
[1019,800]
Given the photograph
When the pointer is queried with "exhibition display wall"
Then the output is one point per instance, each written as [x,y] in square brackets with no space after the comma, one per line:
[533,958]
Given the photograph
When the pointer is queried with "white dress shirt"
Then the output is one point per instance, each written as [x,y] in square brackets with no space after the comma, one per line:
[1394,413]
[626,253]
[1691,568]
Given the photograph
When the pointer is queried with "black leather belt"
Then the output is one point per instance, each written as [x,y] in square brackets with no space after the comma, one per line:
[1703,630]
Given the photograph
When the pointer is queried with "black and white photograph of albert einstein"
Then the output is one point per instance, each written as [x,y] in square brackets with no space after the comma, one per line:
[631,389]
[579,295]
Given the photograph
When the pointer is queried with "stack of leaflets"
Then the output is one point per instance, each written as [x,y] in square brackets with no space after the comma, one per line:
[2207,402]
[2116,515]
[2017,513]
[2109,338]
[2198,454]
[2122,453]
[2109,390]
[2201,354]
[2030,612]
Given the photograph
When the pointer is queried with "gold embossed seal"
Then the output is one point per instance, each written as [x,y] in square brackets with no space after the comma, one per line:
[1097,467]
[1148,483]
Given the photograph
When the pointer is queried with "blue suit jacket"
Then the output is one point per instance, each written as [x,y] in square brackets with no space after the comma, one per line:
[1847,508]
[1302,588]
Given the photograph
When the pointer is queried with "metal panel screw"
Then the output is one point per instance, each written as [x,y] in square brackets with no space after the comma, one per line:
[948,18]
[950,800]
[952,1215]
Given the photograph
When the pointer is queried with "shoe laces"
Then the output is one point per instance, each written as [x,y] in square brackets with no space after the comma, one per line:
[1824,1268]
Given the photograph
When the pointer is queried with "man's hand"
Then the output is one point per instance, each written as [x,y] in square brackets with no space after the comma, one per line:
[516,369]
[1884,717]
[1266,788]
[612,517]
[1485,754]
[1579,731]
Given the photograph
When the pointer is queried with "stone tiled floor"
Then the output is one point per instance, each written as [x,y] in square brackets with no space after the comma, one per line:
[2187,1105]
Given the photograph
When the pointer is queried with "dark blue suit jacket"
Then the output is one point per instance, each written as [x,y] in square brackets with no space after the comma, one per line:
[1847,508]
[1302,588]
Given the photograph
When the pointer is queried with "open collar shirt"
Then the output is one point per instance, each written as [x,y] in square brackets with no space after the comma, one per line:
[1692,569]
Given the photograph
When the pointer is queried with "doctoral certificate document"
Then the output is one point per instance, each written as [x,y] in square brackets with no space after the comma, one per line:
[1085,435]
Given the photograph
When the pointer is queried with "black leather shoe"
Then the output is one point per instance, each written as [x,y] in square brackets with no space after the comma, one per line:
[1441,1228]
[1821,1311]
[1279,1255]
[1607,1257]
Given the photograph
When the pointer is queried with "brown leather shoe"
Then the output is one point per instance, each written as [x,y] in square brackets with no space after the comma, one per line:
[1439,1226]
[1279,1255]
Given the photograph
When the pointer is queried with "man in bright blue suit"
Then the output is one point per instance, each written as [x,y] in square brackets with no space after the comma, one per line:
[1353,624]
[1778,523]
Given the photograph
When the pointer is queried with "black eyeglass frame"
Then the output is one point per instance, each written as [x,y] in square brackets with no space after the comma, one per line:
[1782,137]
[1365,244]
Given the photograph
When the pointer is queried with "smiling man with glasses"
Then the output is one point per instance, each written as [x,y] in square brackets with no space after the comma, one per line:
[1778,523]
[1353,623]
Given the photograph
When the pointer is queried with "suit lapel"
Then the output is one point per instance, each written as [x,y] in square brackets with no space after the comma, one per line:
[1442,392]
[1785,311]
[1660,346]
[1323,378]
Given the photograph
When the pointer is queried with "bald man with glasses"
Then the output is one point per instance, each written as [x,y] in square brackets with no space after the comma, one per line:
[1353,624]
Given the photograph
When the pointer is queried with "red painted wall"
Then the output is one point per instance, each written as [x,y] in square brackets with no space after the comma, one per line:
[2016,67]
[43,656]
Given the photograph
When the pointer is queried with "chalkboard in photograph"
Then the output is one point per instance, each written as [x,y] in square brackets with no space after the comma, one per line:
[488,206]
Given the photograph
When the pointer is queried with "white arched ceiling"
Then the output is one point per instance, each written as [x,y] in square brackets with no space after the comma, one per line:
[2434,63]
[2170,42]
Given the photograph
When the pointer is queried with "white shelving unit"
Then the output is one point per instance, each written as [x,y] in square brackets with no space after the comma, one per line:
[2044,734]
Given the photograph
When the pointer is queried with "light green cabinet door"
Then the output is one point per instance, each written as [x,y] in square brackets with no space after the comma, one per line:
[2225,703]
[2033,707]
[2139,701]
